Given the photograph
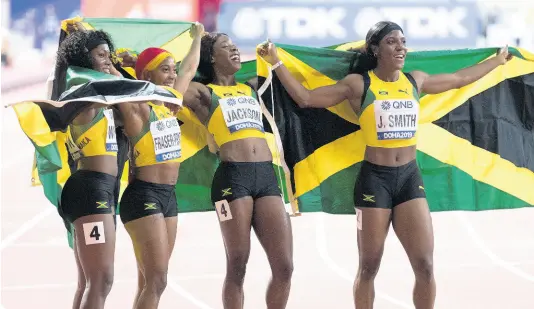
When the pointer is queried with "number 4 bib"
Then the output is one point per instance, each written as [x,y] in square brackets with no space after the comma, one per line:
[166,137]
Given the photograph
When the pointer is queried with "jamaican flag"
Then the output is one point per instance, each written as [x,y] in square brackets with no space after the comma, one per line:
[198,161]
[475,146]
[45,121]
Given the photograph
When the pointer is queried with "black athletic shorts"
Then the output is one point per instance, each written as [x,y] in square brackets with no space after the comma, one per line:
[141,199]
[87,193]
[233,180]
[386,187]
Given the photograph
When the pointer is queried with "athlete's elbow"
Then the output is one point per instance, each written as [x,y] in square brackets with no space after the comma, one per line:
[303,99]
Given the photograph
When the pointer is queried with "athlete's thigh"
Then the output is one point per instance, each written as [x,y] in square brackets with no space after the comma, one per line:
[235,220]
[373,226]
[95,242]
[413,225]
[172,226]
[150,240]
[81,275]
[272,226]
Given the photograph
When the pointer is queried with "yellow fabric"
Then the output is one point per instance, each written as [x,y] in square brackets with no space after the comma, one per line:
[481,164]
[33,123]
[144,153]
[154,63]
[217,125]
[92,142]
[389,91]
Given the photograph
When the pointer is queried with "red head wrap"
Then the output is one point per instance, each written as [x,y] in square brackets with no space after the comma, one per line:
[149,60]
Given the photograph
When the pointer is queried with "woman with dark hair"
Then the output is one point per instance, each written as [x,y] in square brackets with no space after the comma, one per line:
[389,188]
[90,194]
[149,209]
[245,189]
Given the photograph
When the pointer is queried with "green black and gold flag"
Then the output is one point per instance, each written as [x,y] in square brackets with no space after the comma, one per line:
[475,144]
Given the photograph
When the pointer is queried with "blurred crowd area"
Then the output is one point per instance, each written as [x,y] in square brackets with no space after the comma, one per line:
[30,28]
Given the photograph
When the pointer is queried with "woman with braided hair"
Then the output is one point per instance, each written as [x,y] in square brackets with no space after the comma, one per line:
[245,190]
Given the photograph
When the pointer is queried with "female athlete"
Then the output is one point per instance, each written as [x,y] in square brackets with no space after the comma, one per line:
[89,196]
[389,187]
[148,206]
[245,189]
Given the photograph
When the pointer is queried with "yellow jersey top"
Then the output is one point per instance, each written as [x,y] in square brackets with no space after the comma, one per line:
[159,140]
[235,113]
[389,113]
[96,138]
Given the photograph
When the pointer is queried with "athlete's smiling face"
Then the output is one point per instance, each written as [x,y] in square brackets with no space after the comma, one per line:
[164,74]
[226,58]
[391,51]
[101,58]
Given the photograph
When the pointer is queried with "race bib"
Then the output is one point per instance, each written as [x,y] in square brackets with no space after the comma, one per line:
[166,137]
[74,150]
[242,112]
[396,119]
[111,134]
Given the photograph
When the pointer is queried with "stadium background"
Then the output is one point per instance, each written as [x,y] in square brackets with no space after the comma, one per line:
[483,260]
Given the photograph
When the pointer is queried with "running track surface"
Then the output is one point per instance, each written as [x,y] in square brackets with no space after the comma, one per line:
[482,260]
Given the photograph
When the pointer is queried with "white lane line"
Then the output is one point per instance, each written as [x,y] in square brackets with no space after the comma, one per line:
[477,240]
[26,226]
[323,252]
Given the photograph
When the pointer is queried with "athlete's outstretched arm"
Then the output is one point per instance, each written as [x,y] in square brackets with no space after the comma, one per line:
[189,65]
[349,88]
[433,84]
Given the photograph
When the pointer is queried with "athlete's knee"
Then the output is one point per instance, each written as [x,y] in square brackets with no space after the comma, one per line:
[101,281]
[423,268]
[369,268]
[236,267]
[156,280]
[283,270]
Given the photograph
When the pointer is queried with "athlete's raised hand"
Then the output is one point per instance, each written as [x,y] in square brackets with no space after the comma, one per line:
[503,55]
[267,51]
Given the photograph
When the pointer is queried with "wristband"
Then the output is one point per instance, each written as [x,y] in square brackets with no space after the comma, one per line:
[279,63]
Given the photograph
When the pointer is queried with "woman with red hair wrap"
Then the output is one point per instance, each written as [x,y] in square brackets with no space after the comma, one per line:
[148,206]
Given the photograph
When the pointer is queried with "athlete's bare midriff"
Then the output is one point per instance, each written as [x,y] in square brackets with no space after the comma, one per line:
[166,174]
[251,149]
[390,156]
[102,164]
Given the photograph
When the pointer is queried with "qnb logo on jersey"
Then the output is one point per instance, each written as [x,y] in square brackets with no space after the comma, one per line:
[231,102]
[171,123]
[386,105]
[160,126]
[402,104]
[246,100]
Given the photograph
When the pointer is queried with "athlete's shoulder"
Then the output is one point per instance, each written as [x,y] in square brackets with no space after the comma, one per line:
[354,82]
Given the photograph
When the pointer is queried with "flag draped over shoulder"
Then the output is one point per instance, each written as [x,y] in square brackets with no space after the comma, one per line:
[198,161]
[45,121]
[475,145]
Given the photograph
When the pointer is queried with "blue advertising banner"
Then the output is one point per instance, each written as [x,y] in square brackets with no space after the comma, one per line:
[40,19]
[426,25]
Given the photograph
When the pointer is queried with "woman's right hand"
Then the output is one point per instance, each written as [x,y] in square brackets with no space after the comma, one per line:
[197,30]
[268,52]
[73,26]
